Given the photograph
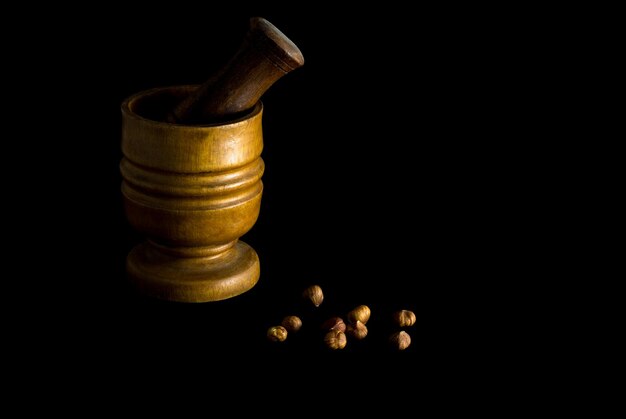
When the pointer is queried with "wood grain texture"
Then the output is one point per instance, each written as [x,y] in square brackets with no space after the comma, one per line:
[265,56]
[192,191]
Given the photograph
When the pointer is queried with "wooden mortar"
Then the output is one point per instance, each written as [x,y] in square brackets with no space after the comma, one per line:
[193,191]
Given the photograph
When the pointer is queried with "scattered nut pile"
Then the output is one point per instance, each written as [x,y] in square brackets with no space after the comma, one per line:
[336,332]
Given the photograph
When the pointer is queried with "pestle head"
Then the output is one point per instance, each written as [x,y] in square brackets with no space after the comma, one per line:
[285,53]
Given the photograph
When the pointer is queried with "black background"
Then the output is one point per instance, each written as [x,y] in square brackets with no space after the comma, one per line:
[389,181]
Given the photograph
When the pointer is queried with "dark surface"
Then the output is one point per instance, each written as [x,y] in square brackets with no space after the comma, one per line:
[387,182]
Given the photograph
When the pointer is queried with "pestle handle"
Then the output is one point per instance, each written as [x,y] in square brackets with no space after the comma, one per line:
[264,56]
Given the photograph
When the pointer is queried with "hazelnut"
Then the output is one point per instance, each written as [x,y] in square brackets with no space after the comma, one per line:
[357,330]
[291,323]
[335,339]
[360,313]
[277,333]
[314,294]
[404,318]
[400,340]
[334,323]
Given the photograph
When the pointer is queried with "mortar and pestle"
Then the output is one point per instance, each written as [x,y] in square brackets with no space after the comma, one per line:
[192,169]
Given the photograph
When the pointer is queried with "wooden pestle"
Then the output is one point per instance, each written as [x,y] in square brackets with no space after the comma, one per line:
[264,56]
